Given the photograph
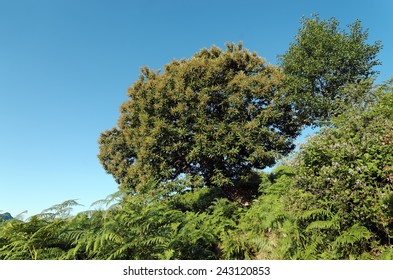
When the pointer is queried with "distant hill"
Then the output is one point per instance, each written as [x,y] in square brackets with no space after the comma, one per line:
[5,217]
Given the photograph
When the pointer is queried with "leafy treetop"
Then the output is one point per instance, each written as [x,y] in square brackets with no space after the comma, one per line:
[215,117]
[322,61]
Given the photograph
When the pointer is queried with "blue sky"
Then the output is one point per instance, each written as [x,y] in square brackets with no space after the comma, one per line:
[65,67]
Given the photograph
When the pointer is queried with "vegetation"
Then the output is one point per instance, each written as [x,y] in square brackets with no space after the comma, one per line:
[189,149]
[214,117]
[322,61]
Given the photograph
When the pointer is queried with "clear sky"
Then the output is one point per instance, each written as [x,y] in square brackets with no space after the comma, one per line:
[65,66]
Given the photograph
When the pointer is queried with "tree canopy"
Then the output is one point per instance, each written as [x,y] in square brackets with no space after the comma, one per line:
[215,116]
[322,61]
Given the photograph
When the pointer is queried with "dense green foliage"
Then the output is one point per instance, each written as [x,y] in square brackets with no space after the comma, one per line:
[347,174]
[332,199]
[322,61]
[216,115]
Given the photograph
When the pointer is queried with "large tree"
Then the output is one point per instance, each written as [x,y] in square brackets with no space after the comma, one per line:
[215,117]
[322,61]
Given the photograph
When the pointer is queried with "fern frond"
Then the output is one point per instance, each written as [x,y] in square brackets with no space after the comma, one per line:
[319,225]
[314,214]
[310,251]
[120,252]
[109,200]
[353,235]
[20,216]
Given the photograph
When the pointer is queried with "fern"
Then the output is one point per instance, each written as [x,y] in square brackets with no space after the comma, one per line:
[322,225]
[354,234]
[314,214]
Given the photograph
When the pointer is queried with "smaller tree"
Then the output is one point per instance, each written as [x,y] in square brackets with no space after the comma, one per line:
[322,61]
